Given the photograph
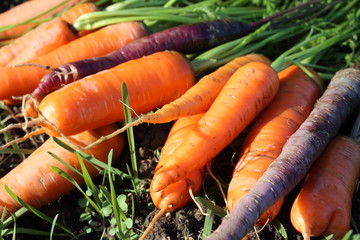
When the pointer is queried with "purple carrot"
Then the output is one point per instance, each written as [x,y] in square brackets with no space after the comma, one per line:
[190,38]
[340,98]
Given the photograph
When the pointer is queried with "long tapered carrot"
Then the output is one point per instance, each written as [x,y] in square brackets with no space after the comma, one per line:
[340,98]
[187,39]
[44,38]
[250,89]
[34,181]
[95,101]
[269,132]
[22,80]
[323,206]
[199,97]
[28,10]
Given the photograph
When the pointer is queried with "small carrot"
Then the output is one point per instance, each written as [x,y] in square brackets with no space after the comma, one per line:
[249,90]
[95,101]
[29,10]
[22,80]
[340,98]
[44,38]
[323,206]
[37,184]
[269,132]
[41,40]
[177,194]
[186,39]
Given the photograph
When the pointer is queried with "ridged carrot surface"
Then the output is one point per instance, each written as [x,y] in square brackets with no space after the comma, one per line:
[250,89]
[269,132]
[94,101]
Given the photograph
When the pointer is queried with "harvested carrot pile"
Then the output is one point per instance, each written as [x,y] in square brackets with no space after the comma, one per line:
[163,119]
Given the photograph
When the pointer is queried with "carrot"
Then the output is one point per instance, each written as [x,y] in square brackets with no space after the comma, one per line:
[95,101]
[269,132]
[75,12]
[177,195]
[323,206]
[44,38]
[34,181]
[250,89]
[22,80]
[300,151]
[29,10]
[199,97]
[186,39]
[41,40]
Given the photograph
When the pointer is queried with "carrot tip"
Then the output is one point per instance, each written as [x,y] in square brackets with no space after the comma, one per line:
[152,223]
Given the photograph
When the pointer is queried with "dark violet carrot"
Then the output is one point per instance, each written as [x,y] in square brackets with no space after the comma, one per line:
[186,39]
[340,98]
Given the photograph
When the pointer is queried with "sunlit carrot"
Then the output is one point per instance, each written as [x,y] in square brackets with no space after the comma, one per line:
[199,97]
[44,38]
[23,80]
[34,181]
[27,10]
[177,194]
[96,100]
[249,90]
[269,132]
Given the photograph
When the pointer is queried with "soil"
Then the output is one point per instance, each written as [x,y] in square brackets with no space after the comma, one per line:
[186,223]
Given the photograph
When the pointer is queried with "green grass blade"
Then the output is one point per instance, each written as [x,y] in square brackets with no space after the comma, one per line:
[35,211]
[69,178]
[130,135]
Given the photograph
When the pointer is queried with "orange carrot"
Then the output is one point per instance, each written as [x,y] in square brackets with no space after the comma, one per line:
[95,101]
[22,80]
[269,132]
[75,12]
[41,40]
[198,98]
[250,89]
[26,11]
[177,195]
[44,38]
[37,184]
[323,206]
